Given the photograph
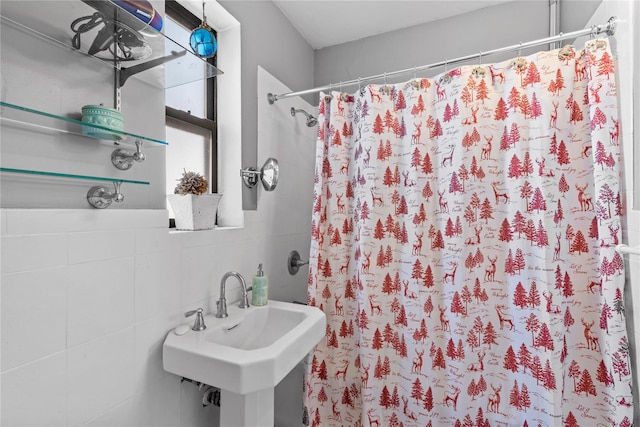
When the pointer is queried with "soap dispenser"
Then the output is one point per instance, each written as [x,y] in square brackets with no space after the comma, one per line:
[260,283]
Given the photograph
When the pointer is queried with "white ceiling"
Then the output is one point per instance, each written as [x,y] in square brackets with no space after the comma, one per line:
[326,23]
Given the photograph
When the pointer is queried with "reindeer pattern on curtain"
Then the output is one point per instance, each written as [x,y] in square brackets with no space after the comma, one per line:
[462,249]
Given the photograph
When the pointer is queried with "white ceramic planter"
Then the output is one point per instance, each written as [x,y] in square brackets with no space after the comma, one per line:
[195,212]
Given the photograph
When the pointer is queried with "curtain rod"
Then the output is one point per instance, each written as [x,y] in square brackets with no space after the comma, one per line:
[625,249]
[609,27]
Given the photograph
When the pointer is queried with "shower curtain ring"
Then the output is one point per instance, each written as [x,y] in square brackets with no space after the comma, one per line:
[480,58]
[446,65]
[594,31]
[520,49]
[385,78]
[359,86]
[415,77]
[559,43]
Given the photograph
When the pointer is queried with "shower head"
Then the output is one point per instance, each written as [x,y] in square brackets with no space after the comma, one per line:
[311,121]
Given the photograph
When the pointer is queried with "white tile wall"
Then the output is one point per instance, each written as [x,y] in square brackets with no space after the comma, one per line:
[121,416]
[88,297]
[99,376]
[157,284]
[34,315]
[32,252]
[100,299]
[34,394]
[100,245]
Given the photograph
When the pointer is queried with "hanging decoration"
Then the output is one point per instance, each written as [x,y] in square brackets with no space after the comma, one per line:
[202,40]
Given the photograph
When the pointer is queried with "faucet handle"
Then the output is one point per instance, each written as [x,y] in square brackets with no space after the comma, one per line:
[198,325]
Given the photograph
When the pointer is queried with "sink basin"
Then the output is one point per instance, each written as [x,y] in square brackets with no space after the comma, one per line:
[252,349]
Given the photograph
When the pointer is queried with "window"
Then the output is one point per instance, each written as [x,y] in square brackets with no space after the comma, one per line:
[190,113]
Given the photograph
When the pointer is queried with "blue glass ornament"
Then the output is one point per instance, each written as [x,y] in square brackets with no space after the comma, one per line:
[203,42]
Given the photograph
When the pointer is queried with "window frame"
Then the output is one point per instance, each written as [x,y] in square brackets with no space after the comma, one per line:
[180,14]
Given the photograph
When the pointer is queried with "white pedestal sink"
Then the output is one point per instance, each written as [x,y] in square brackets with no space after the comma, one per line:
[246,355]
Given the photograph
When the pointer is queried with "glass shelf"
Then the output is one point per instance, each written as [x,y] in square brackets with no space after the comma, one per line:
[71,176]
[168,65]
[15,115]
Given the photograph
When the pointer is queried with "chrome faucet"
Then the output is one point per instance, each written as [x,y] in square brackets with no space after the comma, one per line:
[221,304]
[198,324]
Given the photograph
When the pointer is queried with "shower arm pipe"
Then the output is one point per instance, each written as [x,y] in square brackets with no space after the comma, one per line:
[625,249]
[609,27]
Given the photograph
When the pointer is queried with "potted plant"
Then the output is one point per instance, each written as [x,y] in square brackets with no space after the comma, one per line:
[194,208]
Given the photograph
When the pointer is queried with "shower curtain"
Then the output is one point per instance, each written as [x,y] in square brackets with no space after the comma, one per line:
[464,231]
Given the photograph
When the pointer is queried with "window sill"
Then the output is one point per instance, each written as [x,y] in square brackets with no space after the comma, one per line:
[174,231]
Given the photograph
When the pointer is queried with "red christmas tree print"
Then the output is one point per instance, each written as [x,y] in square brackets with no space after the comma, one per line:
[563,186]
[520,296]
[605,315]
[605,65]
[576,113]
[482,92]
[599,119]
[401,103]
[563,154]
[322,396]
[533,299]
[378,126]
[533,75]
[514,99]
[322,371]
[559,82]
[428,400]
[544,338]
[568,319]
[574,372]
[571,421]
[538,203]
[472,389]
[510,361]
[579,244]
[548,377]
[385,398]
[525,106]
[532,324]
[536,108]
[501,112]
[602,374]
[515,167]
[585,385]
[514,396]
[567,286]
[620,365]
[490,335]
[519,224]
[416,390]
[456,304]
[524,357]
[454,185]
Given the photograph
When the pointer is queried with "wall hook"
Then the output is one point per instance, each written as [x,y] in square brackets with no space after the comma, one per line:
[123,159]
[101,197]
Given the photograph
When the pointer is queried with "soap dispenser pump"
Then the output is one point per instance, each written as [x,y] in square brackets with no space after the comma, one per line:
[260,283]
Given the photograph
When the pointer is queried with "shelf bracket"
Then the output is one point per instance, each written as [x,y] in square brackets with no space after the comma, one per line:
[125,72]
